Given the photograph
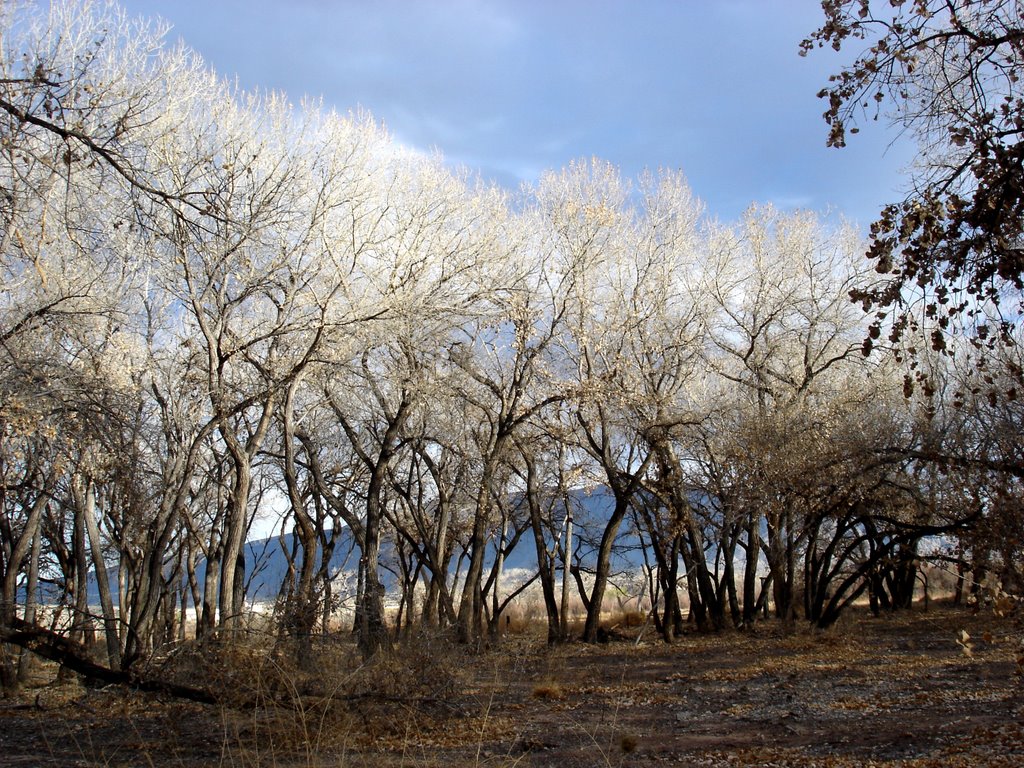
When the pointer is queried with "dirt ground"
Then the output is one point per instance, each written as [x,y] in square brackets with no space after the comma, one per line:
[905,690]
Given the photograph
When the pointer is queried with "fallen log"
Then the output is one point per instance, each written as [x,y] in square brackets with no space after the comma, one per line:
[75,657]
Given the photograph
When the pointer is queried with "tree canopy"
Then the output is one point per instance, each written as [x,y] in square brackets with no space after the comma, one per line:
[949,72]
[217,305]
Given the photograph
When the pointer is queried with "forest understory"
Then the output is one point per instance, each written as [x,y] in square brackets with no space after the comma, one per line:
[908,689]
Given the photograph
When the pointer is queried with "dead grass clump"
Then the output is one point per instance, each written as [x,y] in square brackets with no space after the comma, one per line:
[237,670]
[282,700]
[633,619]
[411,689]
[272,705]
[549,690]
[424,665]
[520,624]
[221,667]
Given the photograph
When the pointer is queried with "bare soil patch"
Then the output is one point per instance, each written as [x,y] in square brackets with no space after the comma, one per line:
[893,691]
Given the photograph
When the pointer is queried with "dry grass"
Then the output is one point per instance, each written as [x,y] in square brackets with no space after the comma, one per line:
[628,743]
[896,691]
[549,691]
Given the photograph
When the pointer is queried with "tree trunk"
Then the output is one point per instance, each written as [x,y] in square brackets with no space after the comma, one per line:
[499,566]
[25,544]
[232,567]
[300,606]
[750,566]
[603,569]
[85,499]
[471,605]
[373,632]
[545,562]
[81,623]
[563,629]
[674,492]
[31,600]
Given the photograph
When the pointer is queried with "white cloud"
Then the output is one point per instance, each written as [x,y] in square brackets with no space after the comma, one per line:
[514,87]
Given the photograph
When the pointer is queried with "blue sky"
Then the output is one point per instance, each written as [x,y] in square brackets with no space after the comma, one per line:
[511,88]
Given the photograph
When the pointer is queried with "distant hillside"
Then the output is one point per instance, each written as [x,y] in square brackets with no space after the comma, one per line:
[267,565]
